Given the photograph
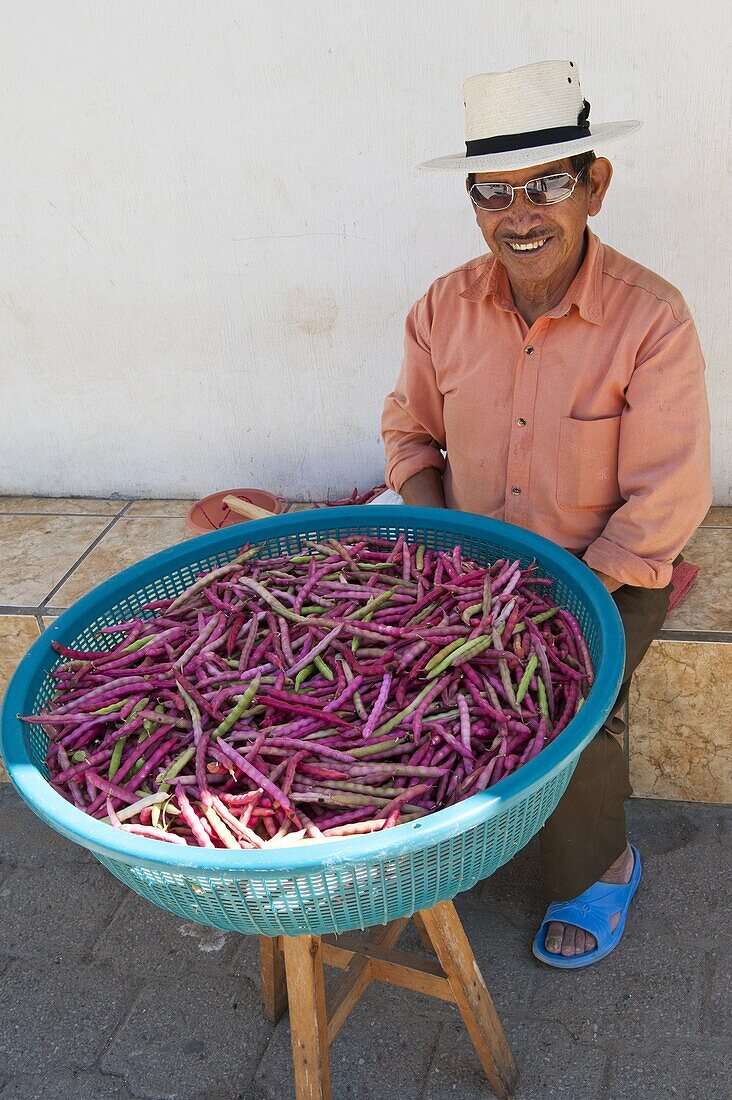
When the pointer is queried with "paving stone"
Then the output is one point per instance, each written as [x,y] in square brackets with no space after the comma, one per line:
[692,1072]
[723,826]
[717,1011]
[55,1014]
[384,1049]
[142,939]
[67,1085]
[658,828]
[645,990]
[686,890]
[246,959]
[514,888]
[24,838]
[503,954]
[218,1094]
[184,1038]
[50,910]
[551,1063]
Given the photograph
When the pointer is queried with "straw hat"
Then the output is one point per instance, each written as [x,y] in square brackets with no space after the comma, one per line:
[527,116]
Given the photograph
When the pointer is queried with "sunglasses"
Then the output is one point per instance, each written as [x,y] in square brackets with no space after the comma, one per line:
[542,192]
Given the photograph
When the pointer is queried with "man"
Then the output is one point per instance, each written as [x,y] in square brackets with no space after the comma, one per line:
[558,385]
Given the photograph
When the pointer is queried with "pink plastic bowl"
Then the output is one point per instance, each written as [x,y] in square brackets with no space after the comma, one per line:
[211,514]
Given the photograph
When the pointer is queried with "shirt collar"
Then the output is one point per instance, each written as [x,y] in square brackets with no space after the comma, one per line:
[585,291]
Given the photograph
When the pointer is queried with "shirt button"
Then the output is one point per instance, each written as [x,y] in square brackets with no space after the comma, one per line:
[529,350]
[521,422]
[516,491]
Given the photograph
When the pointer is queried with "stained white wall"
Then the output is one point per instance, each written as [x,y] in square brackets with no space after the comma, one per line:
[212,227]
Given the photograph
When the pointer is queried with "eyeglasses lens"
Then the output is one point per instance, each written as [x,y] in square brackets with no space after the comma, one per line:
[491,196]
[542,192]
[550,189]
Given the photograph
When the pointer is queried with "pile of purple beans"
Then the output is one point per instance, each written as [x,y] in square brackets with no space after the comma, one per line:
[354,686]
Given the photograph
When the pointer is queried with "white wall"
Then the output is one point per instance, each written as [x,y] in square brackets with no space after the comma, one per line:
[212,227]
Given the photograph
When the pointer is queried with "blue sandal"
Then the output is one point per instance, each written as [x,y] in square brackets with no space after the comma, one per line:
[591,911]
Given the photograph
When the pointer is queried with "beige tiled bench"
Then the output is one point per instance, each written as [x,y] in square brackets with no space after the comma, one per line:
[680,711]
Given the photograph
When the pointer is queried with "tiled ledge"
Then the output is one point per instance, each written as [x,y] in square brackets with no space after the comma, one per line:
[53,550]
[680,712]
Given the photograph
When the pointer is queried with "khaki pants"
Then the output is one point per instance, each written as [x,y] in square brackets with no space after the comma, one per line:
[586,832]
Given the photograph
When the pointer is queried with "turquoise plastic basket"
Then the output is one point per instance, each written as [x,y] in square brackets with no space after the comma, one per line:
[337,885]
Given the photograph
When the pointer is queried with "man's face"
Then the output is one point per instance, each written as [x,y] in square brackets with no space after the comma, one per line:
[561,224]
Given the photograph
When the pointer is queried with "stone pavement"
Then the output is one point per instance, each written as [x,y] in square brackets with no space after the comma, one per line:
[105,997]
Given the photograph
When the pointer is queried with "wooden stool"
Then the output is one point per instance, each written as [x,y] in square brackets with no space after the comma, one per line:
[293,965]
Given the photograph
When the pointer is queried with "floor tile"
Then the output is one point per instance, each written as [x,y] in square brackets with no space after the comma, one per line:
[71,506]
[708,605]
[171,509]
[680,718]
[645,991]
[694,1072]
[17,635]
[202,1038]
[89,1004]
[129,541]
[67,1084]
[43,903]
[552,1063]
[718,517]
[36,551]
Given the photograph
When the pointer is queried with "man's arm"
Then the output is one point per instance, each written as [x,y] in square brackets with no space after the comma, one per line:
[610,583]
[412,425]
[663,464]
[424,489]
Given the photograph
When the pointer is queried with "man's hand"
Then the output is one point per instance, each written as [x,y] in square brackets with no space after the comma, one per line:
[424,490]
[610,583]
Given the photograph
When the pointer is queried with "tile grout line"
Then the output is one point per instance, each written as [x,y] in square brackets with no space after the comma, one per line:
[99,515]
[669,634]
[44,602]
[15,609]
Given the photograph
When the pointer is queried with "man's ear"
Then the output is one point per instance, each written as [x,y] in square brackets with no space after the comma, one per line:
[601,172]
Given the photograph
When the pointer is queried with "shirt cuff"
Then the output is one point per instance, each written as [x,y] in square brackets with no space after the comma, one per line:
[620,564]
[400,473]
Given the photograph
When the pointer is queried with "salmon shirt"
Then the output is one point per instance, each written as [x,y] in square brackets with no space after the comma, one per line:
[591,427]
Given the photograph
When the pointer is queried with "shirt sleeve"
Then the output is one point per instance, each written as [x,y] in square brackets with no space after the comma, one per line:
[664,465]
[412,425]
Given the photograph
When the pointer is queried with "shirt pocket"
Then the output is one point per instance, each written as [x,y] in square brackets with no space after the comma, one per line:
[587,470]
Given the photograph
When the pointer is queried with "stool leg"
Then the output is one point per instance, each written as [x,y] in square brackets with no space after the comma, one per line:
[308,1017]
[473,999]
[422,933]
[273,982]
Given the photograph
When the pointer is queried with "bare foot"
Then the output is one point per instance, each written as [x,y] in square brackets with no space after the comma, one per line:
[567,940]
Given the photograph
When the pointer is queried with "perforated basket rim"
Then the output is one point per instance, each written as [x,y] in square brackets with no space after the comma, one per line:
[352,851]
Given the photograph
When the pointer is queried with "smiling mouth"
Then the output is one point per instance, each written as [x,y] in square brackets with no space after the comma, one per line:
[528,248]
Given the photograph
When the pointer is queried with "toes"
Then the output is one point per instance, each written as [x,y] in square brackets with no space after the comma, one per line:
[554,934]
[568,940]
